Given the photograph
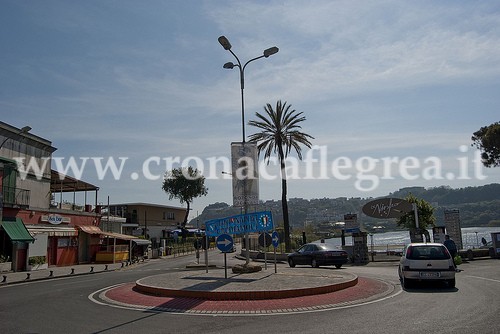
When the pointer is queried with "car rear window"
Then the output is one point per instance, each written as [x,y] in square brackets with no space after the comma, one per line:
[428,253]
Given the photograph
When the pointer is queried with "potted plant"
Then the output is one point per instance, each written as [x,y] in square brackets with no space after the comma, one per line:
[37,262]
[5,263]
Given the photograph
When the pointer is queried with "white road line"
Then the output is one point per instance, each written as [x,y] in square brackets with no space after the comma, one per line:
[484,278]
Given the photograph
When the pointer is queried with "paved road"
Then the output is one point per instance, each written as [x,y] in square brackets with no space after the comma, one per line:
[63,306]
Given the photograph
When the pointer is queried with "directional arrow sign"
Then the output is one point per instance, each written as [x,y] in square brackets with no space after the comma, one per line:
[224,243]
[275,239]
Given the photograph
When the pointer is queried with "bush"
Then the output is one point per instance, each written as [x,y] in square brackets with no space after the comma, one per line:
[34,260]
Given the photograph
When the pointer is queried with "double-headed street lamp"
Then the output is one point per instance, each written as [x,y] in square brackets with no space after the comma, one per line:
[227,46]
[267,52]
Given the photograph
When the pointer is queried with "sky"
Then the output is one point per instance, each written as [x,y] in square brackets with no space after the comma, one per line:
[392,91]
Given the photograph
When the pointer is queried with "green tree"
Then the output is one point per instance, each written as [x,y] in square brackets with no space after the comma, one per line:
[487,139]
[184,184]
[280,133]
[426,217]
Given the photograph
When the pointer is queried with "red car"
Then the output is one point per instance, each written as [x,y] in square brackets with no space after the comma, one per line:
[317,255]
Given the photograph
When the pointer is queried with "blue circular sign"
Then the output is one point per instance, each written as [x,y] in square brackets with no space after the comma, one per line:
[224,243]
[275,239]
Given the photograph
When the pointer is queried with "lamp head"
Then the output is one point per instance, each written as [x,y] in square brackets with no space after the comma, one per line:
[228,65]
[224,42]
[270,51]
[25,129]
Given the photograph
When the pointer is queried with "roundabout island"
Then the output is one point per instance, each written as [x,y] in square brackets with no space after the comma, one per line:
[290,290]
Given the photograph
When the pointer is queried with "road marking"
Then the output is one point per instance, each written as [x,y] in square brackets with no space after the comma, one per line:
[96,297]
[484,278]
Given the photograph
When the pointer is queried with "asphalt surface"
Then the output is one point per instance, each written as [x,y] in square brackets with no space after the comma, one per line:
[196,291]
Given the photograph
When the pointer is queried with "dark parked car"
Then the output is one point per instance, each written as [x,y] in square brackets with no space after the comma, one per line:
[317,255]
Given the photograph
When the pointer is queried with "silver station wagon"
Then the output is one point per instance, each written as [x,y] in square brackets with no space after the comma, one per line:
[426,262]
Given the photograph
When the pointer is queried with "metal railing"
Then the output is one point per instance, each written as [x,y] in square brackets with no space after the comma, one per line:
[15,196]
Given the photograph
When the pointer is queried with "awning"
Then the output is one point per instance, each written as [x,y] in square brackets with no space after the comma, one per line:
[141,242]
[96,230]
[64,183]
[90,229]
[118,236]
[53,231]
[16,230]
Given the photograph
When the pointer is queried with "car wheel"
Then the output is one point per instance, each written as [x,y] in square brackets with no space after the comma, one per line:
[314,263]
[406,283]
[338,266]
[291,263]
[452,283]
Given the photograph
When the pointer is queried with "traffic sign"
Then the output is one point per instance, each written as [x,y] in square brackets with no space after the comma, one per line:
[265,240]
[276,239]
[224,243]
[240,224]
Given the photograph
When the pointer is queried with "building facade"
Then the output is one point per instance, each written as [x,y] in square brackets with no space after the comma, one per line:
[151,221]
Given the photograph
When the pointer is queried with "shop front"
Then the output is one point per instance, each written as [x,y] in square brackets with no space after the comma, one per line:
[61,243]
[14,241]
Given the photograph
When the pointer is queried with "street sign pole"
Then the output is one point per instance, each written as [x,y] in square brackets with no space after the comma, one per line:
[275,266]
[265,250]
[206,252]
[275,240]
[225,265]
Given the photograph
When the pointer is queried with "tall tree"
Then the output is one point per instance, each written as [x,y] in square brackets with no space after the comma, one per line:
[184,184]
[487,139]
[425,213]
[280,133]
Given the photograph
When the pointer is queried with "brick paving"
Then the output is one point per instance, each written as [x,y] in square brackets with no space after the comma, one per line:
[365,290]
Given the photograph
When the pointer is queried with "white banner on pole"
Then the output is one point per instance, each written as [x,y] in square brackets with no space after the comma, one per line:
[245,172]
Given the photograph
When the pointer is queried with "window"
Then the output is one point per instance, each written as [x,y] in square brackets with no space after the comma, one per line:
[169,215]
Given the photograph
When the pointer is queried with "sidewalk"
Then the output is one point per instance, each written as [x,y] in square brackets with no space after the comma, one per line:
[55,272]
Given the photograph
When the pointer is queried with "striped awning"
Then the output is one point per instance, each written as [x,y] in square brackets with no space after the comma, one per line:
[90,229]
[16,230]
[53,231]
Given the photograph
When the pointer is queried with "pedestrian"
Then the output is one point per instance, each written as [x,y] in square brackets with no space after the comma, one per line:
[450,244]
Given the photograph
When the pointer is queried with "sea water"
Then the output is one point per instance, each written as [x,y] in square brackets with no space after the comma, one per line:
[471,237]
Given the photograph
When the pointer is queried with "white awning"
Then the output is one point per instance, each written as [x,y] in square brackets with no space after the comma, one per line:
[53,231]
[142,241]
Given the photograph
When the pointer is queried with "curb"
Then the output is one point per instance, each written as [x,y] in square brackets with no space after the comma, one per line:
[243,295]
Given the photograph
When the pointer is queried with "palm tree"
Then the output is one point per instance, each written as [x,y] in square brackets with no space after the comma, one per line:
[280,133]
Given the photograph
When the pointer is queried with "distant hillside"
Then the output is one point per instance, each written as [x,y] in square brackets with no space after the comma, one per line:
[479,206]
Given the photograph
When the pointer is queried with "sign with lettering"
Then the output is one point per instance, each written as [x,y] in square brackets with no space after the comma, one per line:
[55,219]
[240,224]
[387,208]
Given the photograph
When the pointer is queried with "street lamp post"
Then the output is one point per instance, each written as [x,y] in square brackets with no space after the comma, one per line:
[229,65]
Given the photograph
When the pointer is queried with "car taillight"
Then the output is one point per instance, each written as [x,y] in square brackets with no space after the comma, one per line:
[408,252]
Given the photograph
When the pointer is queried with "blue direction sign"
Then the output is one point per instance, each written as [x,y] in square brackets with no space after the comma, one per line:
[275,237]
[240,224]
[224,243]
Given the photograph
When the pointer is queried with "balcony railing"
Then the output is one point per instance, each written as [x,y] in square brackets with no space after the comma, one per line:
[15,197]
